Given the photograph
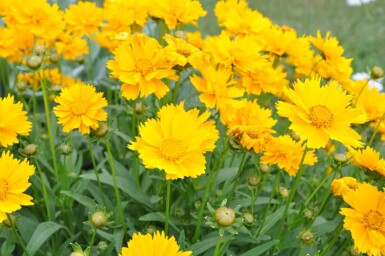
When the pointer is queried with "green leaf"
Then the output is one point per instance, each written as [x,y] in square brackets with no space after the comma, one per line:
[159,216]
[84,200]
[42,233]
[204,245]
[260,249]
[274,218]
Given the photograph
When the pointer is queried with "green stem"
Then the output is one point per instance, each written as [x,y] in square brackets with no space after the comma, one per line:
[175,92]
[96,172]
[45,195]
[17,235]
[92,237]
[316,190]
[229,238]
[48,121]
[336,235]
[237,177]
[252,200]
[217,252]
[292,193]
[133,133]
[167,206]
[117,194]
[360,92]
[90,68]
[376,130]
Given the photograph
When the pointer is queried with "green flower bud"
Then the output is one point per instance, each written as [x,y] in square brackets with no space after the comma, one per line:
[99,219]
[306,237]
[30,149]
[224,216]
[34,62]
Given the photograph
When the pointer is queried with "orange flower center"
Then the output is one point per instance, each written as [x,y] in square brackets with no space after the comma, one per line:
[320,116]
[3,189]
[186,53]
[172,149]
[373,220]
[253,132]
[143,66]
[79,108]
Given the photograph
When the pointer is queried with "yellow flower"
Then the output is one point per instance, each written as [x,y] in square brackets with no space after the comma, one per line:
[176,12]
[14,177]
[83,18]
[176,141]
[71,47]
[319,113]
[80,107]
[179,51]
[368,159]
[287,153]
[141,64]
[156,245]
[250,124]
[342,186]
[366,219]
[7,47]
[13,121]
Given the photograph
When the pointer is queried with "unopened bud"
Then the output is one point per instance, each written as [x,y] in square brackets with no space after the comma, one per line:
[30,149]
[306,237]
[197,204]
[224,216]
[179,212]
[234,142]
[54,58]
[353,252]
[377,72]
[99,219]
[76,254]
[283,192]
[181,34]
[308,214]
[139,108]
[339,157]
[264,168]
[22,85]
[248,218]
[65,149]
[253,180]
[102,245]
[101,130]
[39,49]
[295,136]
[9,222]
[34,62]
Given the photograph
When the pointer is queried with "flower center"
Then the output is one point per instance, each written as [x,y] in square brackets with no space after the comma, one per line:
[320,116]
[3,189]
[373,220]
[79,108]
[172,149]
[186,53]
[143,66]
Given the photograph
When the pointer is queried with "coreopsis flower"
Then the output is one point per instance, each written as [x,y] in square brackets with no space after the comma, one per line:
[216,88]
[7,47]
[14,177]
[71,47]
[366,218]
[83,18]
[13,121]
[319,113]
[141,63]
[287,153]
[153,245]
[179,51]
[342,186]
[177,12]
[80,107]
[168,144]
[195,38]
[368,159]
[251,125]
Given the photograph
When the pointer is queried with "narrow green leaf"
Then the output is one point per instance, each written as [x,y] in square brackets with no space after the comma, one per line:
[42,233]
[84,200]
[204,245]
[272,219]
[160,217]
[256,251]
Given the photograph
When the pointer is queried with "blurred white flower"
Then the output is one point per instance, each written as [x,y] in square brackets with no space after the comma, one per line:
[371,82]
[358,2]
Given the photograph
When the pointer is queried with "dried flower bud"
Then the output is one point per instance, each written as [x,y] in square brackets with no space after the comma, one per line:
[339,157]
[181,34]
[308,214]
[21,85]
[101,130]
[39,49]
[248,218]
[377,72]
[8,223]
[65,149]
[102,245]
[264,168]
[99,219]
[295,136]
[30,149]
[253,180]
[34,62]
[283,192]
[306,237]
[224,216]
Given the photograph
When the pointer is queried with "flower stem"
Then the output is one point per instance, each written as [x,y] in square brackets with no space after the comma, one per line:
[376,130]
[217,251]
[167,206]
[316,190]
[117,194]
[48,121]
[92,237]
[17,235]
[45,195]
[336,235]
[90,68]
[96,172]
[237,177]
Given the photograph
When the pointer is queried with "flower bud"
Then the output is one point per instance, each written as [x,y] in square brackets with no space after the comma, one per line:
[308,214]
[377,72]
[101,130]
[39,49]
[76,254]
[8,223]
[283,192]
[150,229]
[253,180]
[181,34]
[234,143]
[197,204]
[264,168]
[80,59]
[306,237]
[139,108]
[99,219]
[30,149]
[102,245]
[341,158]
[353,252]
[224,216]
[295,136]
[21,85]
[54,58]
[179,212]
[65,149]
[248,218]
[34,62]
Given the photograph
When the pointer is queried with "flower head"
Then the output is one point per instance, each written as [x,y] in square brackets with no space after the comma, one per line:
[369,159]
[366,218]
[80,107]
[14,177]
[83,18]
[168,144]
[156,245]
[13,121]
[342,186]
[319,113]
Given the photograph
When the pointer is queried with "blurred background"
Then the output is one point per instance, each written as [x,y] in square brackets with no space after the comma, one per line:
[360,29]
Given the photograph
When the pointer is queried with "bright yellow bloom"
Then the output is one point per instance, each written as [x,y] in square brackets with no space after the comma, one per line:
[83,18]
[71,47]
[141,63]
[157,245]
[368,159]
[80,107]
[179,51]
[319,113]
[251,125]
[342,186]
[195,38]
[7,41]
[14,177]
[287,153]
[176,12]
[13,121]
[176,141]
[366,219]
